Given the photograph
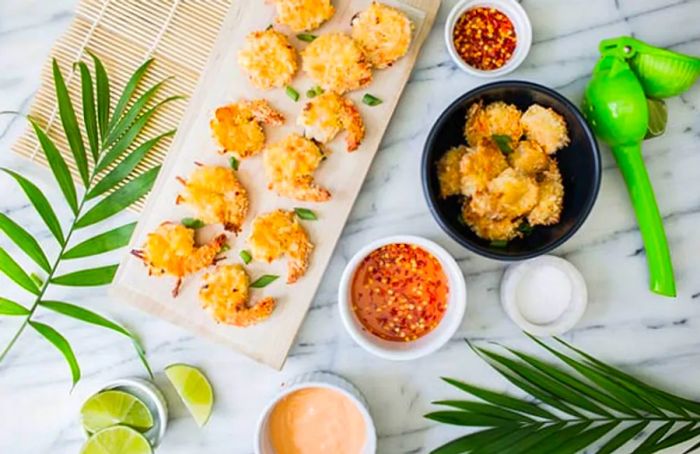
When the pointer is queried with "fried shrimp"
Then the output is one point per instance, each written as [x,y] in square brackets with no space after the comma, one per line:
[551,197]
[448,171]
[279,233]
[238,126]
[546,127]
[217,196]
[171,250]
[528,158]
[336,63]
[498,118]
[268,59]
[479,166]
[326,115]
[224,295]
[489,229]
[508,196]
[303,15]
[290,165]
[383,32]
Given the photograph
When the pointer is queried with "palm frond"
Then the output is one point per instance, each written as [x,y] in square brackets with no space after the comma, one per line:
[573,406]
[111,184]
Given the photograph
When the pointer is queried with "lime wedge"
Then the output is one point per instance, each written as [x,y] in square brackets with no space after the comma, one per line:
[117,440]
[658,117]
[194,389]
[109,408]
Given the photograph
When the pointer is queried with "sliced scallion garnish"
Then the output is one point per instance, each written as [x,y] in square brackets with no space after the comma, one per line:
[234,163]
[245,256]
[371,100]
[264,281]
[292,93]
[306,37]
[499,243]
[192,223]
[503,142]
[305,214]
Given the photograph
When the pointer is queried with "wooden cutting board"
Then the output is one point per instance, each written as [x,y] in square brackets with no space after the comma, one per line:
[342,173]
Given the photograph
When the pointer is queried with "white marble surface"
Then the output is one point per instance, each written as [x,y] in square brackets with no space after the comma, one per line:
[625,324]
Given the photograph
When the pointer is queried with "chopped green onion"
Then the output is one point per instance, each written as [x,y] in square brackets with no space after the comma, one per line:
[245,256]
[264,281]
[503,143]
[306,37]
[305,214]
[224,248]
[292,93]
[525,228]
[371,100]
[234,163]
[499,243]
[192,223]
[313,92]
[39,282]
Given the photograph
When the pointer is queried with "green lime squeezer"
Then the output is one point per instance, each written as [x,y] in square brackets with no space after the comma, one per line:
[623,103]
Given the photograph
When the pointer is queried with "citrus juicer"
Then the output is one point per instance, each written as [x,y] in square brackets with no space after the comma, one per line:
[628,85]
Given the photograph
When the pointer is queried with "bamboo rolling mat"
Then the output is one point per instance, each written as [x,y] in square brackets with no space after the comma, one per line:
[179,34]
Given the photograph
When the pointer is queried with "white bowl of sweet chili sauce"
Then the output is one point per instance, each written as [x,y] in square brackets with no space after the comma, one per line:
[488,38]
[402,297]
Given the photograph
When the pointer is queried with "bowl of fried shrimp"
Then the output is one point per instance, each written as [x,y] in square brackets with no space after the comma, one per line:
[511,170]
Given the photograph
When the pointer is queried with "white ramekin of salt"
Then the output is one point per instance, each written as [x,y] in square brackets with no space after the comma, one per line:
[544,296]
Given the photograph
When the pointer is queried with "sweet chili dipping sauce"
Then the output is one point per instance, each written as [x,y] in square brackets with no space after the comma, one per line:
[485,38]
[399,292]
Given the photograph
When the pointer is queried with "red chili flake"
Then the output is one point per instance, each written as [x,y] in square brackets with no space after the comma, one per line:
[399,292]
[485,38]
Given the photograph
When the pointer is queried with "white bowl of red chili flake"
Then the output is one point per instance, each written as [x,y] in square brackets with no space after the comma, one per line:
[402,297]
[488,38]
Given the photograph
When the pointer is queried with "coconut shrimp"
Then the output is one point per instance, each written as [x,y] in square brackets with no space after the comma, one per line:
[336,63]
[303,15]
[217,196]
[508,196]
[496,119]
[238,126]
[383,33]
[551,197]
[546,127]
[290,165]
[479,166]
[489,229]
[278,234]
[171,250]
[268,58]
[528,158]
[448,171]
[329,113]
[224,295]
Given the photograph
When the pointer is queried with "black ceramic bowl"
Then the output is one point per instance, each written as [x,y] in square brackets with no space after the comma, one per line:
[579,164]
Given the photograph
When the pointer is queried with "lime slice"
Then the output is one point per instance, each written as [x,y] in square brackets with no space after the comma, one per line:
[194,389]
[117,440]
[109,408]
[658,117]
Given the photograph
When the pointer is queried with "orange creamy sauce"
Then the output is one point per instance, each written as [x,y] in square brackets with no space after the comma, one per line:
[399,292]
[316,421]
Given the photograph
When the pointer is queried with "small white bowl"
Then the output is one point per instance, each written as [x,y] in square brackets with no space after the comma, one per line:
[569,315]
[318,380]
[523,31]
[403,351]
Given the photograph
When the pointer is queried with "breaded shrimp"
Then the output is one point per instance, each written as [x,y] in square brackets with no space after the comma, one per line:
[546,127]
[551,197]
[448,171]
[528,158]
[217,196]
[508,196]
[326,115]
[383,32]
[268,58]
[279,233]
[498,118]
[479,166]
[290,165]
[303,15]
[225,295]
[171,250]
[238,126]
[336,63]
[489,229]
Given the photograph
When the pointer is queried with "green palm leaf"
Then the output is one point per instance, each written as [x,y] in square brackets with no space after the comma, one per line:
[87,278]
[70,124]
[89,115]
[127,93]
[61,344]
[40,203]
[25,241]
[11,269]
[58,167]
[103,96]
[119,199]
[104,242]
[8,307]
[612,414]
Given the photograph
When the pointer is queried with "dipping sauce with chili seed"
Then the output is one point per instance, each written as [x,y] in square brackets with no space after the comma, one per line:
[484,38]
[399,292]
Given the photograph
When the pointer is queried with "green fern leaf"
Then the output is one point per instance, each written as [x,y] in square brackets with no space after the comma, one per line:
[89,115]
[104,242]
[25,241]
[103,96]
[11,269]
[87,278]
[61,344]
[8,307]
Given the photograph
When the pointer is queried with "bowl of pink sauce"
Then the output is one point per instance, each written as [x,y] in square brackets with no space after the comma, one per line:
[317,413]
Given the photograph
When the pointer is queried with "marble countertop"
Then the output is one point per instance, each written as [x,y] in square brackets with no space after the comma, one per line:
[625,324]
